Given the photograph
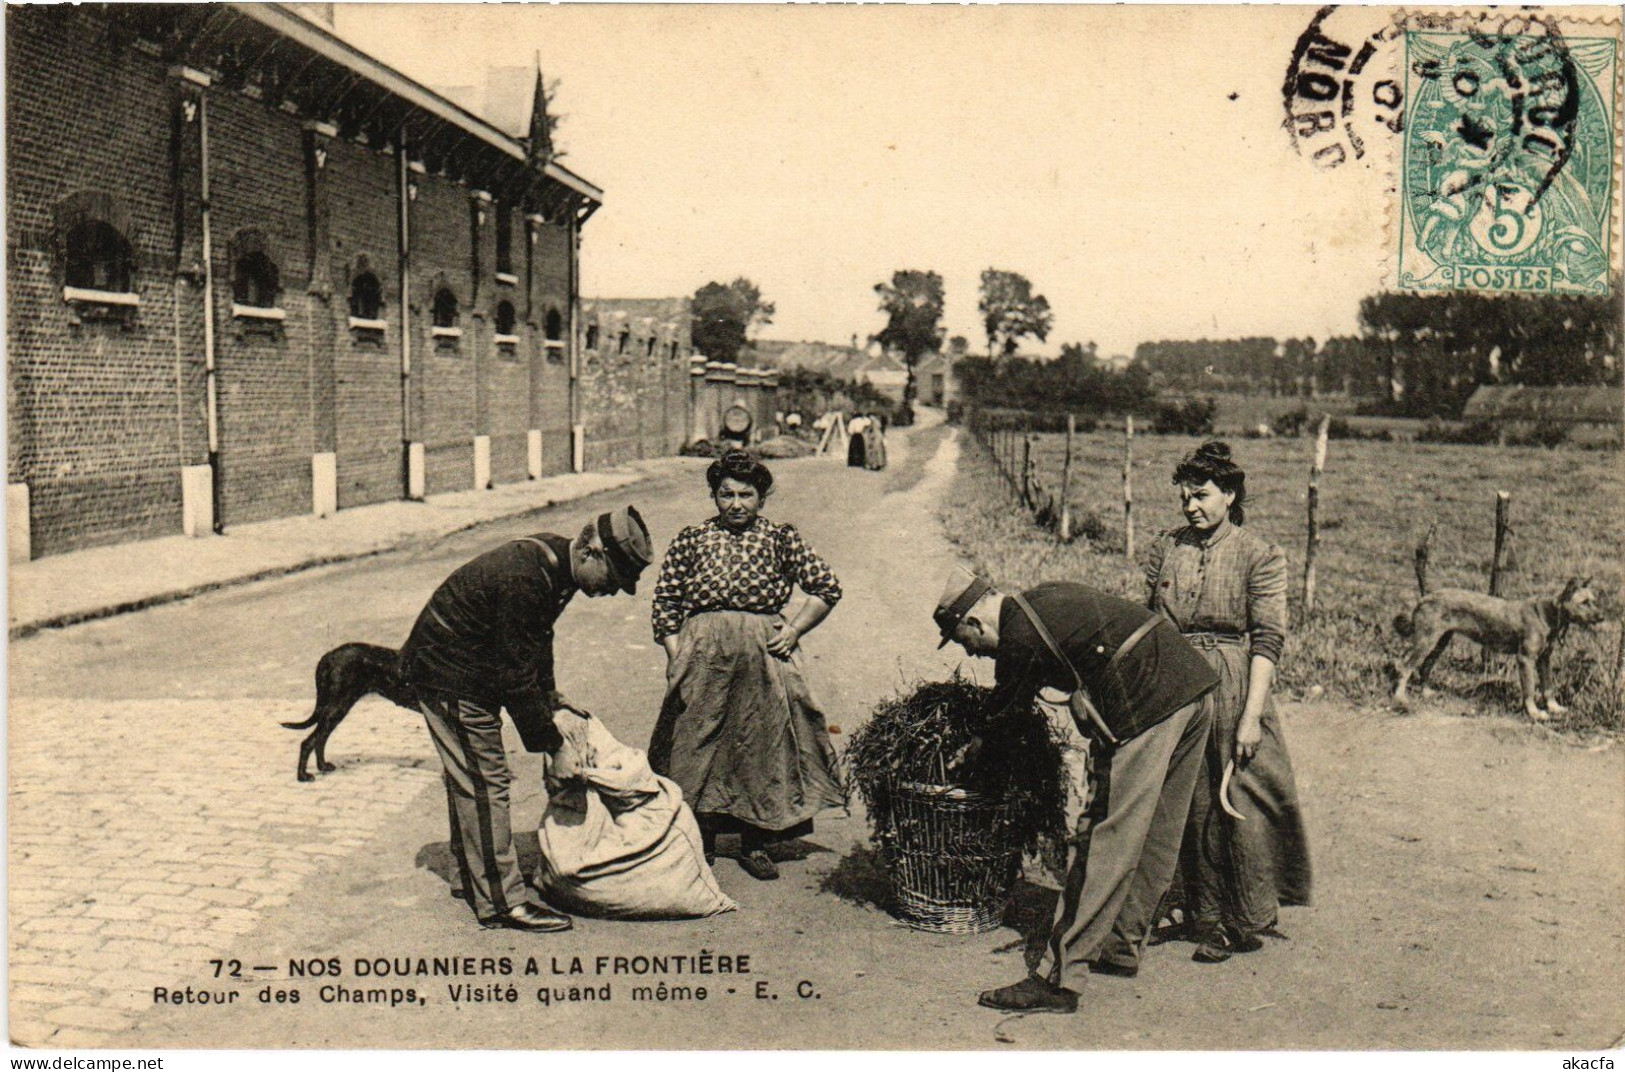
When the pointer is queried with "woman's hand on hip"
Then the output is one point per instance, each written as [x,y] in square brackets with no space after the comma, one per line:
[784,641]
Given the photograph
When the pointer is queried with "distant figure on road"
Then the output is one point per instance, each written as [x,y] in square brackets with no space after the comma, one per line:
[484,642]
[866,447]
[739,731]
[1225,589]
[1135,686]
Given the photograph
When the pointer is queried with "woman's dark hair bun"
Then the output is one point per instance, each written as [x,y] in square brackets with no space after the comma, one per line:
[739,465]
[1212,461]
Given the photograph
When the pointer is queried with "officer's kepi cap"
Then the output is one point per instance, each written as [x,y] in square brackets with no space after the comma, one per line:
[626,545]
[963,590]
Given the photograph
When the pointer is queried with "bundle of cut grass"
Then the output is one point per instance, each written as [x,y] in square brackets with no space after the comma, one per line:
[952,830]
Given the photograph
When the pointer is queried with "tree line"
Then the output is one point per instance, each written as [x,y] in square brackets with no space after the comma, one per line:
[912,301]
[1416,354]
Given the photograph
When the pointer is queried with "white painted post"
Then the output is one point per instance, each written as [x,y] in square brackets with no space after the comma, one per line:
[578,448]
[416,476]
[533,453]
[19,535]
[324,484]
[197,500]
[482,462]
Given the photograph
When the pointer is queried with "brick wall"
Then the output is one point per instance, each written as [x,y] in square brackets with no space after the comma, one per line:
[363,202]
[635,401]
[444,368]
[550,288]
[97,427]
[105,411]
[264,368]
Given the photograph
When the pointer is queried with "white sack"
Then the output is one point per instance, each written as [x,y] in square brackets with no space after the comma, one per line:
[617,840]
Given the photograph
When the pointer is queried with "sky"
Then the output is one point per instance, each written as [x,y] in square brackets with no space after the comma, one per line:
[1130,161]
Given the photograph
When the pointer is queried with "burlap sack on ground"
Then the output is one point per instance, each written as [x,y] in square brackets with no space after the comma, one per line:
[617,840]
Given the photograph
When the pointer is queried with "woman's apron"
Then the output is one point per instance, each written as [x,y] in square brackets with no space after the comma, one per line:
[739,731]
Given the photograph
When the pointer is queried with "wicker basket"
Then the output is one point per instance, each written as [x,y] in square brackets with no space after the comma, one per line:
[951,858]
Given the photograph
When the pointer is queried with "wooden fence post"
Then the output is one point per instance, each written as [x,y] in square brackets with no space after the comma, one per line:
[1423,550]
[1503,504]
[1066,481]
[1026,468]
[1314,530]
[1619,667]
[1128,488]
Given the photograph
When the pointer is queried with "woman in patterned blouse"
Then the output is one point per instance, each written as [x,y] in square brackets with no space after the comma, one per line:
[1226,590]
[739,731]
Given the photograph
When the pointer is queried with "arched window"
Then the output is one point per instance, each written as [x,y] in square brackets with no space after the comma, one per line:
[672,350]
[98,257]
[255,280]
[506,321]
[592,336]
[366,297]
[622,341]
[554,328]
[445,308]
[649,348]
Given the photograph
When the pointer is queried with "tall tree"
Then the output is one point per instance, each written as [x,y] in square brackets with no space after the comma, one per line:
[1011,311]
[913,303]
[724,314]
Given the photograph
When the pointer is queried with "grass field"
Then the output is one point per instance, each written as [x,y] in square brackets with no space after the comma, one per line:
[1376,502]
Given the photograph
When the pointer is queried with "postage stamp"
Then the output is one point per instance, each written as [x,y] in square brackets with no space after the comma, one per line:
[1508,168]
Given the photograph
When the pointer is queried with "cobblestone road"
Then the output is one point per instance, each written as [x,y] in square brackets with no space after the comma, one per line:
[147,836]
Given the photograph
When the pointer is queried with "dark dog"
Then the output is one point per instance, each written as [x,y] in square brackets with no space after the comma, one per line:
[343,676]
[1527,628]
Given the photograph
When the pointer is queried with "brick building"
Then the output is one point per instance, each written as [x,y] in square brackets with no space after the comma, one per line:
[255,273]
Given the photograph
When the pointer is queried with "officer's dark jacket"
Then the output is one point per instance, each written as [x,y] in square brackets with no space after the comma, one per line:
[1158,676]
[487,633]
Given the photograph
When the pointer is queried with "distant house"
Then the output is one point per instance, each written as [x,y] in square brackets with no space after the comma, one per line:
[886,372]
[934,377]
[1563,405]
[1595,413]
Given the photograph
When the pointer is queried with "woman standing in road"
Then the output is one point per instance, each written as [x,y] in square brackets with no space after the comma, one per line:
[1226,590]
[739,731]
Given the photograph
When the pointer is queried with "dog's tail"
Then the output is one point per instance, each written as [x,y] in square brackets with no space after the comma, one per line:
[1403,625]
[306,724]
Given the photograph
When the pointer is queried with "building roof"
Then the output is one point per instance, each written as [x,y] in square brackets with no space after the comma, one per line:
[294,24]
[1570,405]
[844,362]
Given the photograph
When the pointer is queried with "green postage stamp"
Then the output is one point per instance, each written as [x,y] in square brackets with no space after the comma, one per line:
[1508,175]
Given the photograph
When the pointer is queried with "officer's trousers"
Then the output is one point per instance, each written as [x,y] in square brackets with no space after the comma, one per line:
[468,736]
[1118,870]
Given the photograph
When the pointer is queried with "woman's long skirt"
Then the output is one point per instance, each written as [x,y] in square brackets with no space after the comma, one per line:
[1240,873]
[739,730]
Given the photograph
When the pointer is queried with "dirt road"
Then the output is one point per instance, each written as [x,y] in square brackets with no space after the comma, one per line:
[1470,876]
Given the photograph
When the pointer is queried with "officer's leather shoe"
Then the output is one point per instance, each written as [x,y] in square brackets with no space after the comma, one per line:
[528,917]
[1032,994]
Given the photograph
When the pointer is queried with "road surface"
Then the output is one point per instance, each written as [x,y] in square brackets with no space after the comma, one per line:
[1469,875]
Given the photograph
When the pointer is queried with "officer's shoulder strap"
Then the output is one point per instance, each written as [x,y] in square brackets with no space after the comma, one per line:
[1046,636]
[547,552]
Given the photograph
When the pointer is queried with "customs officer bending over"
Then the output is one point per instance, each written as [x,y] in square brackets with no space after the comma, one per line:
[1134,683]
[485,642]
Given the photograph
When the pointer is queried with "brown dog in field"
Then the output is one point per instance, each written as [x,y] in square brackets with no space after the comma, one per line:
[1527,628]
[343,676]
